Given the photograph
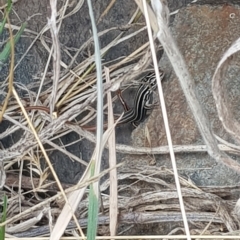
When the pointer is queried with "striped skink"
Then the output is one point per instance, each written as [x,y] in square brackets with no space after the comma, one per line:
[142,100]
[142,103]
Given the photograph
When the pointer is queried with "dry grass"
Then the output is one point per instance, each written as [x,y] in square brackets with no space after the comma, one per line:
[73,91]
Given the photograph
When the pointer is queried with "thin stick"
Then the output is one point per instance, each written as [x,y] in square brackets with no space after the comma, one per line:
[113,200]
[165,119]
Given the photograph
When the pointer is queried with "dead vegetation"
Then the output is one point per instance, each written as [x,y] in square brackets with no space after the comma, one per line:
[145,195]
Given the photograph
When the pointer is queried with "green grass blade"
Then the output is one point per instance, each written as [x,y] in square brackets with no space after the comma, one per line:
[95,167]
[92,215]
[7,48]
[3,219]
[7,11]
[92,210]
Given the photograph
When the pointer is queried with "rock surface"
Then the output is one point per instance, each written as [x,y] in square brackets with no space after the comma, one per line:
[203,34]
